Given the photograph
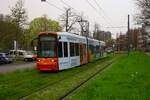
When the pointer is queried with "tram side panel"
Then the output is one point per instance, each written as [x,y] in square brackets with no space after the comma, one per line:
[74,54]
[63,54]
[68,52]
[83,54]
[91,50]
[94,50]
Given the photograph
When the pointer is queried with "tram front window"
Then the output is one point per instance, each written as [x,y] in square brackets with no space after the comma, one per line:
[47,45]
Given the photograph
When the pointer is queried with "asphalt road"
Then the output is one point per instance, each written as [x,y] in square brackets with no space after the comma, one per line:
[12,67]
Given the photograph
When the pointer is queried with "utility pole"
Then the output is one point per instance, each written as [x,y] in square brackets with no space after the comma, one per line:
[84,27]
[67,16]
[81,24]
[88,28]
[128,34]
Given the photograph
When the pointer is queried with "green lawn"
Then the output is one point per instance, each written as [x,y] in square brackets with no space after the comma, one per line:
[127,79]
[18,84]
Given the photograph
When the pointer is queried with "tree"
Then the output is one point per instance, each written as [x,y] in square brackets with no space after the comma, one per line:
[19,17]
[18,13]
[54,26]
[69,19]
[110,42]
[7,33]
[40,24]
[144,16]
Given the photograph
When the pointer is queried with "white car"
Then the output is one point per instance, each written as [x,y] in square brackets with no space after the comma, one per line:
[28,56]
[109,50]
[22,55]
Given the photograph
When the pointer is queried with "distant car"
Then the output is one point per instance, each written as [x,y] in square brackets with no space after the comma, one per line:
[5,58]
[109,50]
[147,50]
[22,55]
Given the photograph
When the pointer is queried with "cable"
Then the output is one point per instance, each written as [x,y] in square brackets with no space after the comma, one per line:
[116,27]
[98,12]
[102,10]
[66,4]
[55,6]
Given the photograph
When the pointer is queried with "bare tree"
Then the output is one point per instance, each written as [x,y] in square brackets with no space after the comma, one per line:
[144,15]
[69,19]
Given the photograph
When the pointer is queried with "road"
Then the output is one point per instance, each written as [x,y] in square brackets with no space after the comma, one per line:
[12,67]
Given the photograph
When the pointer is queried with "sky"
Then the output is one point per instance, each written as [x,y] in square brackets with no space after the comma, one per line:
[109,13]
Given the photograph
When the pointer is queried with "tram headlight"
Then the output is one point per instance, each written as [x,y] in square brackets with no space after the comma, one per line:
[52,60]
[39,60]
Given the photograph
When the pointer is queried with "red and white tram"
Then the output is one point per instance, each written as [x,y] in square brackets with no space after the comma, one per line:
[62,50]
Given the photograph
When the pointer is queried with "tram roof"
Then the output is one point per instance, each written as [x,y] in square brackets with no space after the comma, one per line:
[71,34]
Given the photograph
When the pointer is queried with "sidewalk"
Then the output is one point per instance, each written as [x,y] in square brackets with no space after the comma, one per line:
[12,67]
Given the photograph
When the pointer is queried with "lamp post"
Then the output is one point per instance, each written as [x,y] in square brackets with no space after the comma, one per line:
[128,34]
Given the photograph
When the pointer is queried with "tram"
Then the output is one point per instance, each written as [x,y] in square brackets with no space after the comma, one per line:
[62,50]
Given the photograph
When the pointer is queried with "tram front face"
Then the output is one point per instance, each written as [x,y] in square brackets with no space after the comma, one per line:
[47,59]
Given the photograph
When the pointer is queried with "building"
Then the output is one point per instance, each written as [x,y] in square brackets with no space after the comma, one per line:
[146,37]
[140,41]
[135,41]
[121,42]
[102,35]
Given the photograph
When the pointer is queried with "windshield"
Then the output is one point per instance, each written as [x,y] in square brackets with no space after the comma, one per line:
[46,46]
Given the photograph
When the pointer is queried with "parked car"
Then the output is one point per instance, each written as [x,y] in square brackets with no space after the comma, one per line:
[22,55]
[109,50]
[5,58]
[29,56]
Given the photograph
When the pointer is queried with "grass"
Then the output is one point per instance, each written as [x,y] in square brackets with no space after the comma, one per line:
[127,79]
[21,83]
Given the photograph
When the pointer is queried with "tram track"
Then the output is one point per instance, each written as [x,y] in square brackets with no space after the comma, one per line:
[65,78]
[55,82]
[48,85]
[88,79]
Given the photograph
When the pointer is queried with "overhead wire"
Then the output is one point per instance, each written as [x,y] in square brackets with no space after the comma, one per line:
[117,27]
[54,6]
[95,9]
[66,4]
[91,6]
[100,8]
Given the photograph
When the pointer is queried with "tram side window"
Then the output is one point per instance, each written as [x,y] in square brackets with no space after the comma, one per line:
[60,54]
[72,49]
[77,49]
[65,49]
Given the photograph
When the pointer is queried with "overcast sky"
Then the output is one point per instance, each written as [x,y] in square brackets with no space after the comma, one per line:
[113,13]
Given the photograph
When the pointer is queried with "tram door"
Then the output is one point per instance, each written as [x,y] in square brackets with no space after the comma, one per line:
[63,55]
[83,54]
